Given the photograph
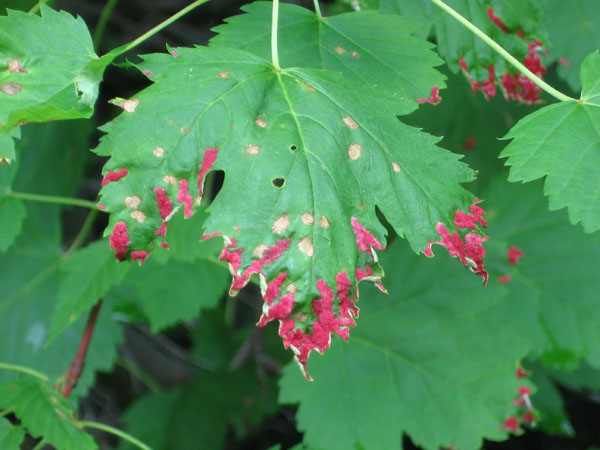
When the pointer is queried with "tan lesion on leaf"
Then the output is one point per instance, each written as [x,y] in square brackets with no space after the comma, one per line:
[310,88]
[396,167]
[132,201]
[138,215]
[324,222]
[5,161]
[350,123]
[291,288]
[252,149]
[14,66]
[339,50]
[306,246]
[260,250]
[159,152]
[223,75]
[10,88]
[281,224]
[126,105]
[355,55]
[260,122]
[354,151]
[170,179]
[307,218]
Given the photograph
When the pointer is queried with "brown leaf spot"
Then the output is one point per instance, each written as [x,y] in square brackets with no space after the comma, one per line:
[138,215]
[10,88]
[310,88]
[5,161]
[15,67]
[223,75]
[127,105]
[252,149]
[339,50]
[307,218]
[170,179]
[184,130]
[291,288]
[281,224]
[159,152]
[396,166]
[260,250]
[236,229]
[350,123]
[260,122]
[354,151]
[305,245]
[132,201]
[324,222]
[355,55]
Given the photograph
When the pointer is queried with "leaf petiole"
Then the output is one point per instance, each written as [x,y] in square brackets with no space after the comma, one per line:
[274,25]
[35,8]
[502,52]
[317,9]
[114,431]
[102,21]
[53,199]
[26,370]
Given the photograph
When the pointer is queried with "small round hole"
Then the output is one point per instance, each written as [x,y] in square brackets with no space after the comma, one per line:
[293,148]
[278,182]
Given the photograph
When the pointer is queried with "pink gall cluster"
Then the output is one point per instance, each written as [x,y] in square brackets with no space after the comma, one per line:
[513,254]
[113,176]
[469,251]
[434,99]
[119,240]
[526,413]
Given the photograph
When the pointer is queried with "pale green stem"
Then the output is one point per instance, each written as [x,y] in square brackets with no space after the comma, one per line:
[40,445]
[114,431]
[102,21]
[148,34]
[274,22]
[83,233]
[500,50]
[53,199]
[317,8]
[35,8]
[140,375]
[26,370]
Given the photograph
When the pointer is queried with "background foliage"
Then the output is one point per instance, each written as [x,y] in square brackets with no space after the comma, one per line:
[178,363]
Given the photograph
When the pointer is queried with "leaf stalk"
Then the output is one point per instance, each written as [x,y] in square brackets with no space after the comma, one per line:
[26,370]
[502,52]
[53,199]
[274,25]
[114,431]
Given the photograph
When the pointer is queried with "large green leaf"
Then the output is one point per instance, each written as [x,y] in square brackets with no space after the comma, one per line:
[87,276]
[561,142]
[11,436]
[391,61]
[45,413]
[49,70]
[573,32]
[307,158]
[435,359]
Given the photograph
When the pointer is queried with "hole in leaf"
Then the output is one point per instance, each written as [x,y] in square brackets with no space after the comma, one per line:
[278,182]
[293,148]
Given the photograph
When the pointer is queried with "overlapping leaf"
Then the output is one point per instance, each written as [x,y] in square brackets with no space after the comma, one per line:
[11,436]
[395,64]
[573,33]
[435,359]
[561,142]
[45,414]
[48,68]
[306,157]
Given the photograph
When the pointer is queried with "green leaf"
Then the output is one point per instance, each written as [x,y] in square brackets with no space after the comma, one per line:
[12,214]
[573,35]
[7,146]
[392,62]
[49,68]
[45,414]
[173,292]
[553,289]
[561,142]
[435,359]
[11,436]
[87,276]
[307,158]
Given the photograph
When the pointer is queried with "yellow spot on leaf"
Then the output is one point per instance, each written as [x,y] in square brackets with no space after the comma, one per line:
[305,245]
[132,201]
[355,55]
[396,166]
[354,151]
[252,149]
[138,215]
[291,288]
[159,152]
[260,250]
[350,123]
[307,218]
[339,50]
[260,122]
[223,75]
[324,222]
[281,224]
[170,179]
[126,105]
[10,88]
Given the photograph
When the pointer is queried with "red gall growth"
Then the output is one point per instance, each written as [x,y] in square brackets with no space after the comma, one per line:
[514,255]
[564,62]
[522,373]
[434,99]
[470,143]
[208,160]
[165,206]
[504,279]
[119,240]
[184,197]
[524,390]
[528,417]
[364,239]
[511,423]
[139,255]
[113,176]
[496,20]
